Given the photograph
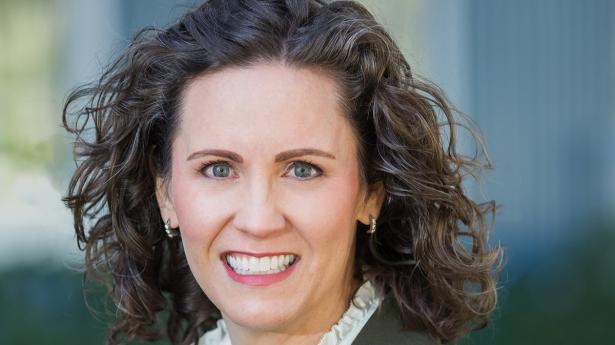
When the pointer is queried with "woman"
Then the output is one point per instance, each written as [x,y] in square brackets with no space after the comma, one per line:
[270,172]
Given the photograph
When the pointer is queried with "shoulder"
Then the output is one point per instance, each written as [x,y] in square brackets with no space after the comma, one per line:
[385,327]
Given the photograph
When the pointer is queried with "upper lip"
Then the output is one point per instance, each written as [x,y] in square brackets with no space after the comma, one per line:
[258,255]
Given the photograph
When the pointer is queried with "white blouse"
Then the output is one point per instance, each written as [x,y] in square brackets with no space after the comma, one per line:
[342,333]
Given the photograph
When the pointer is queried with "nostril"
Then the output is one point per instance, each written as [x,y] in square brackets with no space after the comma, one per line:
[259,223]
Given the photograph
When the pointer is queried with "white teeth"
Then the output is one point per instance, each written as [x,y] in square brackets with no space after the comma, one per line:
[244,264]
[254,266]
[265,264]
[274,261]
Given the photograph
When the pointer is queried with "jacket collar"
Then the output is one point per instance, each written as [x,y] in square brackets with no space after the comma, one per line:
[385,327]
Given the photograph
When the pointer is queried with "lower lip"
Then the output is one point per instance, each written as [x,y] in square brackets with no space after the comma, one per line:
[259,279]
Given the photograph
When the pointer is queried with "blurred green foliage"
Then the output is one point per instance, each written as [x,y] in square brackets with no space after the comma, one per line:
[44,305]
[30,41]
[567,298]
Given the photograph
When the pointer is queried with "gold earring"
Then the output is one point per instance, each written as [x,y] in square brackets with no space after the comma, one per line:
[372,226]
[171,233]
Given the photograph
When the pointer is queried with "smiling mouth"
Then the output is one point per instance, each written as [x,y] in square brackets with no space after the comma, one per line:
[250,265]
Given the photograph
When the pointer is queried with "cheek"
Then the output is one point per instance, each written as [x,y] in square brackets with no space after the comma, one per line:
[188,207]
[199,213]
[332,218]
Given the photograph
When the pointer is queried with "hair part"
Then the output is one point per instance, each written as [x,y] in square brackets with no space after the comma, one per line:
[124,130]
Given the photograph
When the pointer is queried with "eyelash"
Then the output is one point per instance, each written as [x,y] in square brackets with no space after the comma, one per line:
[205,165]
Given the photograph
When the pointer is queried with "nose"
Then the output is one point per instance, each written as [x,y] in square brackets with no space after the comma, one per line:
[258,214]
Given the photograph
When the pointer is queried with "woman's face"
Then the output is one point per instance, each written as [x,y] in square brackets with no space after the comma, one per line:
[265,175]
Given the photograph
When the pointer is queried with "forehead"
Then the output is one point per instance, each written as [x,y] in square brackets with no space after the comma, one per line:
[263,106]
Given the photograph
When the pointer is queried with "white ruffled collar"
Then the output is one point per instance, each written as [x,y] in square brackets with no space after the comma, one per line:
[342,333]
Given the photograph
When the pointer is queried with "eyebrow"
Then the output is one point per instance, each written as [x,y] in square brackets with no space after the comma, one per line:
[280,157]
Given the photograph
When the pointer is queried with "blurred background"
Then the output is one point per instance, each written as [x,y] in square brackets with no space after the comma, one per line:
[538,77]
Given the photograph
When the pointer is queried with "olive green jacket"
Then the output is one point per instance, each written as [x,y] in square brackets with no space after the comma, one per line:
[384,328]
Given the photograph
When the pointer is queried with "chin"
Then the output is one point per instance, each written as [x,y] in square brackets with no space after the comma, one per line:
[259,315]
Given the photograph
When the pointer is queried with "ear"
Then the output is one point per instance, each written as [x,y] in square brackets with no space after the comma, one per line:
[165,203]
[372,203]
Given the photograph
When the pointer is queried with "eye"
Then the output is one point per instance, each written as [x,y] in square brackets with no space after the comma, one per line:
[218,169]
[304,170]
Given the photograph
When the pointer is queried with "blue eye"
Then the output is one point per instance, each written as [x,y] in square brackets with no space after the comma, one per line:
[221,170]
[217,170]
[305,170]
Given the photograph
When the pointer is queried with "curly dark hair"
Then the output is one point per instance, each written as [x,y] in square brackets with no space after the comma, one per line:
[430,251]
